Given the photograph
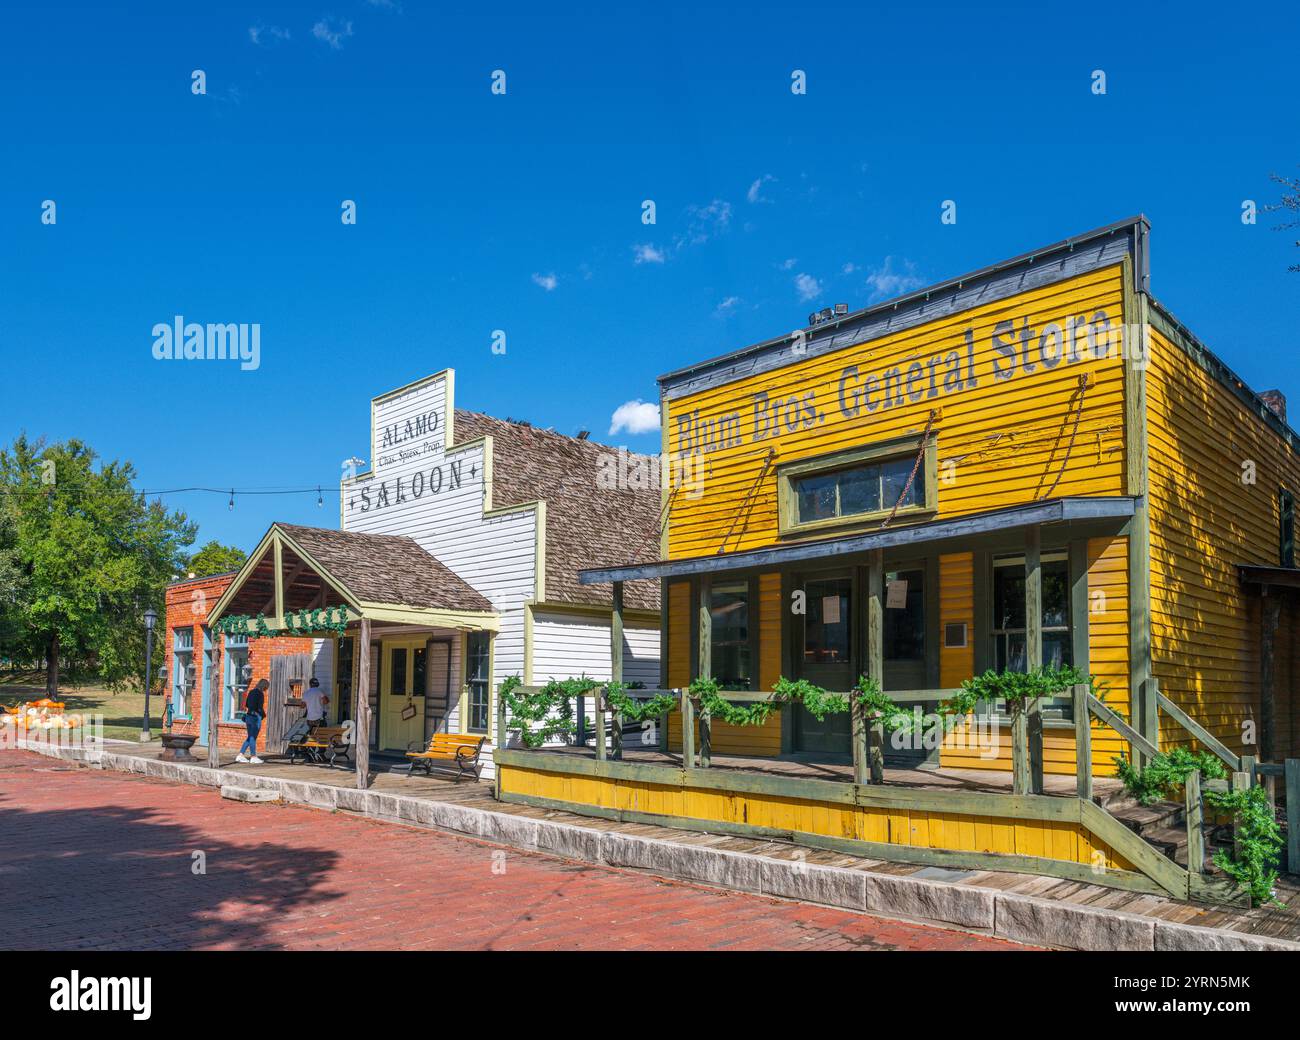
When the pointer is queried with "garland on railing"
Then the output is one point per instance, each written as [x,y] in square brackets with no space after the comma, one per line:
[296,623]
[1256,831]
[714,703]
[1166,773]
[551,706]
[638,710]
[1016,688]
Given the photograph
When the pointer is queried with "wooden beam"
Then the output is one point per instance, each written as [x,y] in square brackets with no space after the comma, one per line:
[1211,742]
[214,709]
[688,729]
[278,549]
[361,708]
[1195,816]
[874,752]
[616,662]
[1033,730]
[1082,743]
[1061,510]
[1270,612]
[1139,745]
[1292,774]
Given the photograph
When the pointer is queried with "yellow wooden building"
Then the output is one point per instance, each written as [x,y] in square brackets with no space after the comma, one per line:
[1045,410]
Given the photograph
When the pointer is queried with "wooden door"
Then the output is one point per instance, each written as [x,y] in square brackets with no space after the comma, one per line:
[825,657]
[279,716]
[401,700]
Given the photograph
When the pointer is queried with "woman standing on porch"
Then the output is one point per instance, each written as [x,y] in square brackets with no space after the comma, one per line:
[254,713]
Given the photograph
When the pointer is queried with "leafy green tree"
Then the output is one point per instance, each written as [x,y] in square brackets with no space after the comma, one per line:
[12,580]
[215,558]
[93,554]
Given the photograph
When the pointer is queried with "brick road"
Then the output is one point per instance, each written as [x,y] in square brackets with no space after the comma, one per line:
[100,860]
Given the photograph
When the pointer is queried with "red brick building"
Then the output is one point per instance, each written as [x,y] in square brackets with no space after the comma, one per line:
[195,657]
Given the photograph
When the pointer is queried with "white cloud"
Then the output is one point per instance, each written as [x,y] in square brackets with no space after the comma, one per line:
[708,222]
[787,265]
[755,193]
[727,305]
[635,417]
[807,286]
[884,281]
[332,31]
[647,254]
[267,35]
[850,267]
[546,281]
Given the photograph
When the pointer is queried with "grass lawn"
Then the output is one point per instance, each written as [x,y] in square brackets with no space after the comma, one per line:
[123,712]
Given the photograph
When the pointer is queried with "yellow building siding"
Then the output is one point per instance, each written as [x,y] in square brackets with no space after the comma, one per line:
[1000,442]
[956,606]
[1052,839]
[1207,516]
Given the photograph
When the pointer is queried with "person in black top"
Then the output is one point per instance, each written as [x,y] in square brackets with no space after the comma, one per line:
[254,713]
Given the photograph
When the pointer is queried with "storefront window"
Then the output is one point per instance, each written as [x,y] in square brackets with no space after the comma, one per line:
[238,675]
[861,489]
[730,650]
[182,671]
[1010,640]
[478,677]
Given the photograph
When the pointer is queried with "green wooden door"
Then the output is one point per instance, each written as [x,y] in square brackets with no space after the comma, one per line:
[824,655]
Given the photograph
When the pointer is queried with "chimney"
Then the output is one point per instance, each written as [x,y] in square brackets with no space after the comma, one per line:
[1276,402]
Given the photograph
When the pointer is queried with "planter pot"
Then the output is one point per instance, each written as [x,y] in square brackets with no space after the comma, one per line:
[176,746]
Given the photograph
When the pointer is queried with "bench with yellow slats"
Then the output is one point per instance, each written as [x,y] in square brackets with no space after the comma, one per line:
[448,750]
[322,744]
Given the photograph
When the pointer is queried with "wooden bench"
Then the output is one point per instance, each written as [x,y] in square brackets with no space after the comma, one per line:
[323,744]
[460,751]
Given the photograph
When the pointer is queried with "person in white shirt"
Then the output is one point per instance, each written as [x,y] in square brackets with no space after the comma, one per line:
[317,702]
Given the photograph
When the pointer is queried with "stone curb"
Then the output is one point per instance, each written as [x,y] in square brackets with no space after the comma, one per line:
[1025,919]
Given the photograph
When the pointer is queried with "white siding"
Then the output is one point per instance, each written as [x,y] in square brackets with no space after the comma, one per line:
[569,645]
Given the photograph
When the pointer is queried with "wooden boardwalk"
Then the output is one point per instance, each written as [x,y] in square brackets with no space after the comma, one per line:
[1272,922]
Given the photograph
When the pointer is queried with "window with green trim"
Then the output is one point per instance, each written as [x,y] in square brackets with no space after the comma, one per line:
[896,477]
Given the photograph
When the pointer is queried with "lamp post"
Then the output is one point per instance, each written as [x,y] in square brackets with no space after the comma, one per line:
[150,619]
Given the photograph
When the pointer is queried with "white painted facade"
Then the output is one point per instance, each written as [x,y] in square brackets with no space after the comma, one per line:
[424,486]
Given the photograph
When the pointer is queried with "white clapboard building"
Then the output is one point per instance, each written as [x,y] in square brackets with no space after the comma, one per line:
[513,512]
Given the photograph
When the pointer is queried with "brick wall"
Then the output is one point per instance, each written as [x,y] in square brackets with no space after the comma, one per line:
[188,604]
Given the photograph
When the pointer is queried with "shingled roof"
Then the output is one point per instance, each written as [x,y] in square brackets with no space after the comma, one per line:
[386,568]
[587,525]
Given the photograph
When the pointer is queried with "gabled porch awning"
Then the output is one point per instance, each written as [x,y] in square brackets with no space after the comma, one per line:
[1059,510]
[378,577]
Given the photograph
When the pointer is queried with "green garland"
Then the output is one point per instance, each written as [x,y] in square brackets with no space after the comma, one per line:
[1257,847]
[1257,834]
[298,623]
[716,706]
[551,706]
[1016,688]
[638,710]
[1166,773]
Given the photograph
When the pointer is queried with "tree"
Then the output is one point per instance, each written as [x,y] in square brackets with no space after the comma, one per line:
[1290,202]
[93,555]
[215,558]
[12,580]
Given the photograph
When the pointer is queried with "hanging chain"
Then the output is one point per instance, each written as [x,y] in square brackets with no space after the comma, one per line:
[916,464]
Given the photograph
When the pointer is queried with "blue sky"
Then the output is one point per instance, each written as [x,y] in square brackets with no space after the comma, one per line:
[522,211]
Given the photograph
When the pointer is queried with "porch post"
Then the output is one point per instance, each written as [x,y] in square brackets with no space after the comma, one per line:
[1031,742]
[1270,609]
[279,579]
[214,702]
[705,586]
[616,663]
[873,751]
[361,709]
